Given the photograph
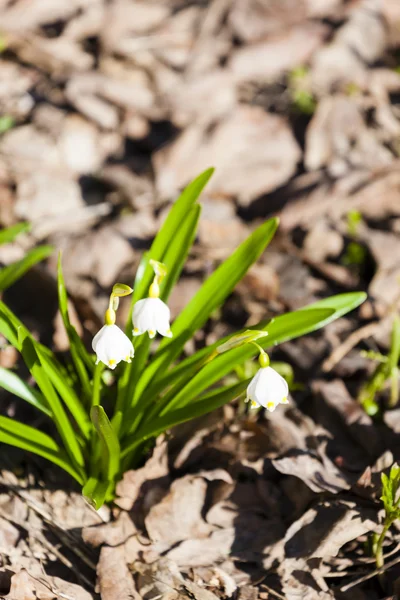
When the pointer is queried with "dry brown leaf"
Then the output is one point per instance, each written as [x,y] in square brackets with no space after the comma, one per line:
[319,476]
[254,20]
[359,41]
[360,426]
[114,533]
[338,139]
[78,262]
[270,60]
[135,484]
[325,528]
[249,141]
[300,580]
[179,515]
[114,579]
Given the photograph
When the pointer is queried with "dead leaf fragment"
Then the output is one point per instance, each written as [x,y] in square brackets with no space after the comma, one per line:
[249,141]
[178,516]
[324,529]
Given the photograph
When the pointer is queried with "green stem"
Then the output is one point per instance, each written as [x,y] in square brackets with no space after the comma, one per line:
[97,384]
[379,544]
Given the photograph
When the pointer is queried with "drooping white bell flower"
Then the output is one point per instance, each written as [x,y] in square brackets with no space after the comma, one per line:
[267,389]
[151,315]
[111,345]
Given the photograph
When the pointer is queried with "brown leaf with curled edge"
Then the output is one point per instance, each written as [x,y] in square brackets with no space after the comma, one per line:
[325,528]
[113,533]
[320,474]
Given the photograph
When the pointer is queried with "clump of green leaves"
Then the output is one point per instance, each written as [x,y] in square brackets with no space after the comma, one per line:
[11,273]
[104,425]
[385,375]
[391,503]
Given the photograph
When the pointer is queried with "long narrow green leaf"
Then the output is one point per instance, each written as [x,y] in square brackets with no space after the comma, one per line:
[178,218]
[211,295]
[174,259]
[280,329]
[32,360]
[13,272]
[35,356]
[109,441]
[67,393]
[224,363]
[208,402]
[28,438]
[9,234]
[13,384]
[78,351]
[172,223]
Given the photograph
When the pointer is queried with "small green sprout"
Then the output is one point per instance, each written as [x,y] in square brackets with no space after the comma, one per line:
[355,254]
[385,375]
[303,100]
[391,503]
[6,122]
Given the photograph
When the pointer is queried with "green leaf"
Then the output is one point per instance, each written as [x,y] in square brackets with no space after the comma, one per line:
[13,384]
[175,258]
[208,402]
[170,228]
[28,438]
[13,272]
[9,234]
[211,295]
[95,492]
[291,325]
[178,250]
[67,393]
[341,304]
[171,246]
[80,356]
[280,329]
[109,442]
[31,354]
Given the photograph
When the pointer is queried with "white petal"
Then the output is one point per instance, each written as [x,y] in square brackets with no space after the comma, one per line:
[268,388]
[151,314]
[112,345]
[162,318]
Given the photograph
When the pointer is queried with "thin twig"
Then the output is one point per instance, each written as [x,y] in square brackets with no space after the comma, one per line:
[370,575]
[349,343]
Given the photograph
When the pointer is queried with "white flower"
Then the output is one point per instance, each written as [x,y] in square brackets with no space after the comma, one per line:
[152,315]
[111,345]
[267,389]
